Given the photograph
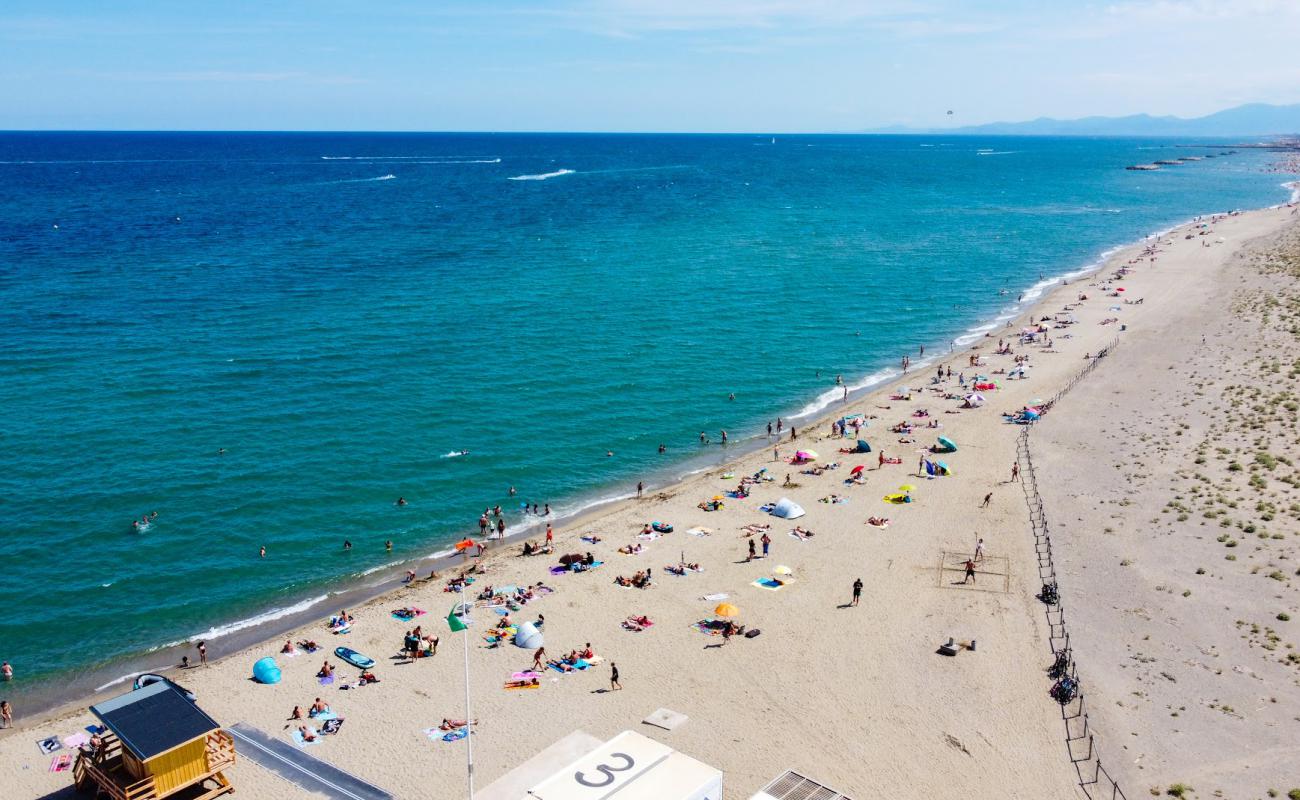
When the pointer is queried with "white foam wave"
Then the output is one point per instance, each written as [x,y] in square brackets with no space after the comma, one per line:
[543,176]
[829,397]
[997,152]
[269,616]
[373,570]
[122,679]
[1294,186]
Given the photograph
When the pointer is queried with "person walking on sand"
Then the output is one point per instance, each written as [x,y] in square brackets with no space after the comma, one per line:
[539,657]
[1015,471]
[970,572]
[987,499]
[752,553]
[857,592]
[550,534]
[979,551]
[613,677]
[202,647]
[767,542]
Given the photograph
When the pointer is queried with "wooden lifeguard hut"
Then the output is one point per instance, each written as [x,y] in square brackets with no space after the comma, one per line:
[157,743]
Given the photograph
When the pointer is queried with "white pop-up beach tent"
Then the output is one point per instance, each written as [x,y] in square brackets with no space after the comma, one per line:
[631,767]
[786,508]
[528,636]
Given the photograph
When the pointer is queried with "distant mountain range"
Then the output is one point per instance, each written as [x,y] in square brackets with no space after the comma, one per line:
[1254,119]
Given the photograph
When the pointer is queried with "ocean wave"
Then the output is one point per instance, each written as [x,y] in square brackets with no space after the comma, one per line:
[543,176]
[218,631]
[829,397]
[121,679]
[996,152]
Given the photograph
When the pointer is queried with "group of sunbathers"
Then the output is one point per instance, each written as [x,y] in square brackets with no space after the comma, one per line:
[637,623]
[531,549]
[638,581]
[631,549]
[416,645]
[306,645]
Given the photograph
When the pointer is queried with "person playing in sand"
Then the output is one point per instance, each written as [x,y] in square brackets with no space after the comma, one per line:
[979,551]
[970,572]
[857,592]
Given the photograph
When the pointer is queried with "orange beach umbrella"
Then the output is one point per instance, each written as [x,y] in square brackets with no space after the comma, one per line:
[726,610]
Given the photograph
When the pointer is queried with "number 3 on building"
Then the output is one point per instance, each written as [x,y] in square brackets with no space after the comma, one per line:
[607,771]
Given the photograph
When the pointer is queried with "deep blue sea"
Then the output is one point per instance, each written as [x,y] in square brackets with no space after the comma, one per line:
[341,311]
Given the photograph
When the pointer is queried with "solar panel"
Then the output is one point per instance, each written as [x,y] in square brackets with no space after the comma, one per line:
[152,720]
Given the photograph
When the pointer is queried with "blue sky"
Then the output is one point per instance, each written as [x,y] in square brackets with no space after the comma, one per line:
[633,65]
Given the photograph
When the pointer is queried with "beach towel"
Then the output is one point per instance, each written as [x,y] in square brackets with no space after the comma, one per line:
[700,531]
[75,740]
[49,745]
[649,537]
[664,718]
[525,686]
[454,736]
[590,539]
[406,617]
[715,597]
[773,584]
[61,763]
[703,626]
[331,725]
[301,742]
[323,716]
[525,676]
[326,681]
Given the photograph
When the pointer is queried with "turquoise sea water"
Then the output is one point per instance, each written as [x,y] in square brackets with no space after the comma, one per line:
[339,312]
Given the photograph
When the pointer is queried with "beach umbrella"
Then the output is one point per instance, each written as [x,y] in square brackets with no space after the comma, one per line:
[726,610]
[464,545]
[782,569]
[857,469]
[807,455]
[571,558]
[717,497]
[907,487]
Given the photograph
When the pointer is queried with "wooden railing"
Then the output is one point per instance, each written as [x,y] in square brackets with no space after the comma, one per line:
[101,772]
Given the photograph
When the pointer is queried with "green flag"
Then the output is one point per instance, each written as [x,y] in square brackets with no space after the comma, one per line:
[454,622]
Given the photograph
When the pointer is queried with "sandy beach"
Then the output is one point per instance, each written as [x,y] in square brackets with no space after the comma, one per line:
[857,697]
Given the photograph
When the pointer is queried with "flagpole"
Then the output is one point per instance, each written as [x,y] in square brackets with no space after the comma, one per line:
[469,720]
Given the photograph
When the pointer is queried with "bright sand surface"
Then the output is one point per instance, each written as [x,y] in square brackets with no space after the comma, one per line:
[855,697]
